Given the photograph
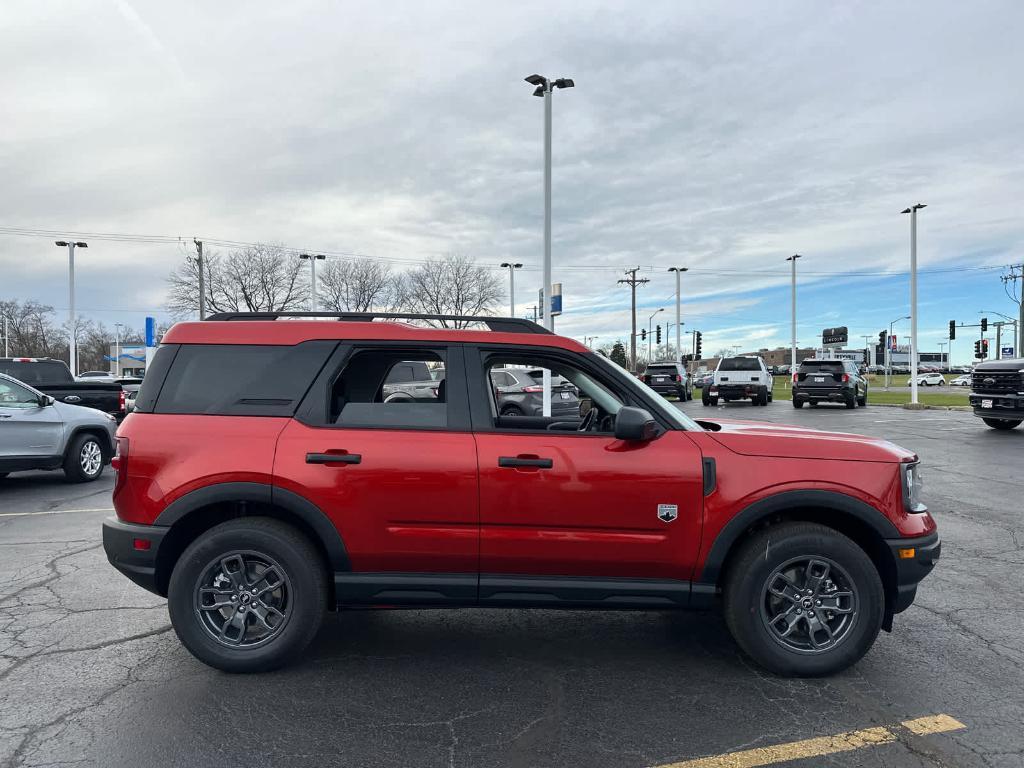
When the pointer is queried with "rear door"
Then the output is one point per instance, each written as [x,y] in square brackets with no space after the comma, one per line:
[397,479]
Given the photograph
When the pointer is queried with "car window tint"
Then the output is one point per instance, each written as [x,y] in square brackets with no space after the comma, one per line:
[390,388]
[39,372]
[240,379]
[740,364]
[821,366]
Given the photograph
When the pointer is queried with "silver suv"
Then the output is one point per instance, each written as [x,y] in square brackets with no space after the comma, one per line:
[38,432]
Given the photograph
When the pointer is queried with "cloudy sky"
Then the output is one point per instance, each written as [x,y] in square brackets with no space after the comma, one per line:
[718,136]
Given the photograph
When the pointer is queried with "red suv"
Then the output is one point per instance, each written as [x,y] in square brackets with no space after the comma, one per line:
[263,479]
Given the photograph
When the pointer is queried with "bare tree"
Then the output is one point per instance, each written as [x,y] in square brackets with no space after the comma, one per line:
[360,286]
[260,278]
[32,330]
[453,285]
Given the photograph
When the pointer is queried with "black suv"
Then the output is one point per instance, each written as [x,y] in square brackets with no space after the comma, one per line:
[829,381]
[997,392]
[669,379]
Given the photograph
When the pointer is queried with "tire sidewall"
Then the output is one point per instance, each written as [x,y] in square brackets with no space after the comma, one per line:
[73,460]
[743,604]
[295,556]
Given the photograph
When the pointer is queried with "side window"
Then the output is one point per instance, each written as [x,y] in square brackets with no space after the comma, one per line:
[16,396]
[388,387]
[579,401]
[239,379]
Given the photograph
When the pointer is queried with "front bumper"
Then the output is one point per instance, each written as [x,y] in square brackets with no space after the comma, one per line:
[139,565]
[1003,406]
[910,571]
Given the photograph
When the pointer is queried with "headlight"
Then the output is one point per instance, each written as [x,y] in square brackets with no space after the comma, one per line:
[912,488]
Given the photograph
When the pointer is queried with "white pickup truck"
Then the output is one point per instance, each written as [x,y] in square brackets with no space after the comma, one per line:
[740,378]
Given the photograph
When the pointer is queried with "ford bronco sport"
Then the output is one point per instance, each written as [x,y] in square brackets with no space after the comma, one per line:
[261,491]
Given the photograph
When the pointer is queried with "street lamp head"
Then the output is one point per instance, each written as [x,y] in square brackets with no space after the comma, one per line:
[61,243]
[678,269]
[539,91]
[565,82]
[536,80]
[81,245]
[321,257]
[794,257]
[304,256]
[905,210]
[919,206]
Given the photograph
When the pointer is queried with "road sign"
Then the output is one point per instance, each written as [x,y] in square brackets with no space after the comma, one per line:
[892,343]
[834,336]
[1007,351]
[556,299]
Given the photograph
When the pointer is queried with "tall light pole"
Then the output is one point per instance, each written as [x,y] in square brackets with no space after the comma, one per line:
[912,210]
[511,286]
[117,348]
[679,326]
[792,361]
[545,88]
[72,348]
[313,258]
[942,353]
[888,350]
[649,335]
[202,277]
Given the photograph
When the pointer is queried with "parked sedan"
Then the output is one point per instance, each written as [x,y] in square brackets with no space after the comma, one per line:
[519,393]
[961,381]
[933,379]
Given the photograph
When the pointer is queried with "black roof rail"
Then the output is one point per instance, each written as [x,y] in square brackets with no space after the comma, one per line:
[497,324]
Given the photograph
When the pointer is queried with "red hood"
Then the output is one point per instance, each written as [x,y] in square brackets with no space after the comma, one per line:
[758,438]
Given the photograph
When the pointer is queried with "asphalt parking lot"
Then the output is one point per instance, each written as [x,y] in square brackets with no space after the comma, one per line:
[91,673]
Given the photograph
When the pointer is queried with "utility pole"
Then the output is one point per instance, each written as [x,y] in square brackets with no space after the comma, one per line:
[650,335]
[1017,273]
[633,281]
[6,352]
[202,279]
[912,210]
[588,340]
[72,331]
[511,286]
[117,348]
[679,324]
[792,259]
[314,304]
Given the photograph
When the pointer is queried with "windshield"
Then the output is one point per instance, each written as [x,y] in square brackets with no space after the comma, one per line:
[740,364]
[630,382]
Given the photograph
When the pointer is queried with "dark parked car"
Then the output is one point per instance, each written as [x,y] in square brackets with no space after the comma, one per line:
[829,381]
[520,392]
[53,378]
[669,379]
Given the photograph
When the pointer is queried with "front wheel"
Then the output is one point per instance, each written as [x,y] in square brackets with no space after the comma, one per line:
[803,600]
[84,460]
[1002,423]
[248,595]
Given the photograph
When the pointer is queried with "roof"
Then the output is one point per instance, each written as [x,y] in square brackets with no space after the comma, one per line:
[284,332]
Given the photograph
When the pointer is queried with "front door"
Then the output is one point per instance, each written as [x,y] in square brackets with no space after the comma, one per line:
[27,429]
[565,498]
[397,478]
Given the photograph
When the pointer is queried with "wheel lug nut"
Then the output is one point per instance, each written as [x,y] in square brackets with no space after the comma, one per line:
[817,602]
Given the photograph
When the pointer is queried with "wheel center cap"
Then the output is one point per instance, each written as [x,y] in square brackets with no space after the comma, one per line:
[246,598]
[806,602]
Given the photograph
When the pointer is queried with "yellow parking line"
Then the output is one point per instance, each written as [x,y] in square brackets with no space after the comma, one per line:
[923,726]
[820,746]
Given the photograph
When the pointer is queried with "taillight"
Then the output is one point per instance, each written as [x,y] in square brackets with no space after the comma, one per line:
[533,389]
[120,402]
[796,377]
[678,377]
[846,377]
[119,462]
[645,378]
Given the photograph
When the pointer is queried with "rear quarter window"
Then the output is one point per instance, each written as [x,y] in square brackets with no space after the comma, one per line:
[235,380]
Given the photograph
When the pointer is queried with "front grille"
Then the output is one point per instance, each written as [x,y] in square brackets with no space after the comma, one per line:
[997,381]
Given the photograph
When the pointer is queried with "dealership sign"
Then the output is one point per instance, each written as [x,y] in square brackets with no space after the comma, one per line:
[834,337]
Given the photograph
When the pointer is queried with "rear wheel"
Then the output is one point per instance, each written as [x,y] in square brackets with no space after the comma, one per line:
[851,401]
[798,403]
[83,462]
[863,401]
[802,599]
[248,595]
[1002,423]
[511,410]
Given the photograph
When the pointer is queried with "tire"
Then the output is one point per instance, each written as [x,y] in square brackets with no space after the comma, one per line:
[749,606]
[704,397]
[713,401]
[851,402]
[798,403]
[84,459]
[1002,423]
[301,595]
[763,399]
[863,401]
[512,410]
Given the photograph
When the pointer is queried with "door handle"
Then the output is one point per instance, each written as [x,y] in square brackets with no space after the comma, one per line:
[523,461]
[334,458]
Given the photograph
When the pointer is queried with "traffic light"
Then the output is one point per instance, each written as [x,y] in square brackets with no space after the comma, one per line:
[984,348]
[881,339]
[984,324]
[697,337]
[643,334]
[952,330]
[657,334]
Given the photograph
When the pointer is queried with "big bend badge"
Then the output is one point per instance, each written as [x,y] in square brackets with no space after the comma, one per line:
[667,512]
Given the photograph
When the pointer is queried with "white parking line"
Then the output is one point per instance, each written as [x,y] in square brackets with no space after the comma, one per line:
[55,512]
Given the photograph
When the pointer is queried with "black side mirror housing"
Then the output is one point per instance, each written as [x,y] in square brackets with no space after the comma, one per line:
[635,424]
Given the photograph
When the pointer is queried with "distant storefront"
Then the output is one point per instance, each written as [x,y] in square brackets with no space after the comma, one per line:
[132,360]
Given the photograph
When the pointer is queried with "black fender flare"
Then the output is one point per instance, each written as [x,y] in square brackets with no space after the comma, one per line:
[263,493]
[99,432]
[781,502]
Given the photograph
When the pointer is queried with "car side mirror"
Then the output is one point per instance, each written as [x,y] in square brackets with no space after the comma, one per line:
[635,424]
[45,400]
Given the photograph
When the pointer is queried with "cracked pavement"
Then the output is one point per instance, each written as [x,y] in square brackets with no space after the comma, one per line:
[92,675]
